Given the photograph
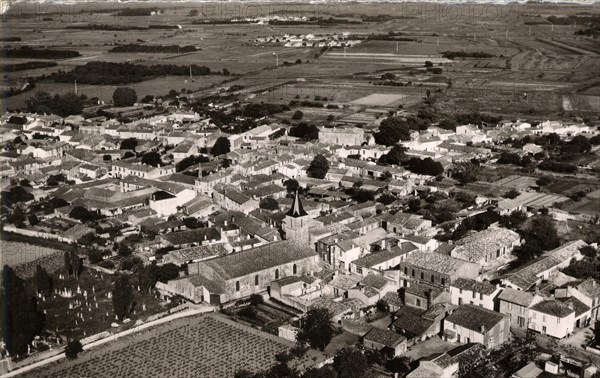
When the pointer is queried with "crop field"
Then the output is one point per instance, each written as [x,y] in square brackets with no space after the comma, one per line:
[201,346]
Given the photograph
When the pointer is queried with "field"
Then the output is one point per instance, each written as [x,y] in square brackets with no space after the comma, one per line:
[201,346]
[552,66]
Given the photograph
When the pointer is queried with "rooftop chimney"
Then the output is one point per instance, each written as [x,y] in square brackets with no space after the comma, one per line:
[482,329]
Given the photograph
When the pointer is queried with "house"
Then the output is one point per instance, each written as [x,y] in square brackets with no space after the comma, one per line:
[447,364]
[423,296]
[435,268]
[297,291]
[377,262]
[470,323]
[180,257]
[200,236]
[486,246]
[166,203]
[384,340]
[464,290]
[417,324]
[371,289]
[553,318]
[230,198]
[532,274]
[350,136]
[515,304]
[241,274]
[122,169]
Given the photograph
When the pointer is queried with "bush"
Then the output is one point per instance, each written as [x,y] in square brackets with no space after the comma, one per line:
[107,264]
[95,256]
[73,348]
[248,312]
[256,299]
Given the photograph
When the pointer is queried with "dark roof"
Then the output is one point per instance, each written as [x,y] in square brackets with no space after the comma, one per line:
[485,288]
[161,195]
[421,289]
[578,305]
[296,210]
[474,317]
[385,337]
[239,264]
[193,236]
[409,320]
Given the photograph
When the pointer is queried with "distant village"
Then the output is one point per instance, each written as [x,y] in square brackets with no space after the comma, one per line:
[333,222]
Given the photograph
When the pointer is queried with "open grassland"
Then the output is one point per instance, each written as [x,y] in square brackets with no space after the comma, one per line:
[200,346]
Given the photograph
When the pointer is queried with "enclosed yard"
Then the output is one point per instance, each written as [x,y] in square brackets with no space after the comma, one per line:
[201,346]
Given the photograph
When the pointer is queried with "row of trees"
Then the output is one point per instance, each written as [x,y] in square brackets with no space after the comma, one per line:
[135,48]
[110,73]
[61,105]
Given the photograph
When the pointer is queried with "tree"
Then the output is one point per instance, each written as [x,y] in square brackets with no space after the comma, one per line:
[21,321]
[391,131]
[221,147]
[15,195]
[147,278]
[124,250]
[428,63]
[40,103]
[318,167]
[414,204]
[33,219]
[316,329]
[95,256]
[544,181]
[167,272]
[297,115]
[152,158]
[396,156]
[129,144]
[73,348]
[256,299]
[193,13]
[292,185]
[426,166]
[304,131]
[67,104]
[81,213]
[268,203]
[466,172]
[67,264]
[400,365]
[122,296]
[542,231]
[514,220]
[350,363]
[75,264]
[511,194]
[124,96]
[17,217]
[43,283]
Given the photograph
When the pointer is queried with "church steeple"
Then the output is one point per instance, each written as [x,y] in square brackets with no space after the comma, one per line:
[296,210]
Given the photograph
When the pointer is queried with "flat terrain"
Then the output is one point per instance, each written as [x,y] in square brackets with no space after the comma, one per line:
[534,69]
[200,346]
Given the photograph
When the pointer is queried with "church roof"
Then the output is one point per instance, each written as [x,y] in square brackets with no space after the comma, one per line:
[296,210]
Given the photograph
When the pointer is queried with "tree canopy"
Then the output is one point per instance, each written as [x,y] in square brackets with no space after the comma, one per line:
[21,319]
[124,96]
[221,147]
[152,158]
[316,329]
[122,296]
[318,167]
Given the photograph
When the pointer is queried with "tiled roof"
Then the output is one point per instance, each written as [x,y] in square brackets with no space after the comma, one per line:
[480,244]
[376,282]
[434,261]
[485,288]
[519,297]
[380,257]
[409,320]
[385,337]
[474,317]
[553,307]
[590,287]
[193,236]
[239,264]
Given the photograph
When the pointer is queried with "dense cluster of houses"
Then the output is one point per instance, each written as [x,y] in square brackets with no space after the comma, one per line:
[318,249]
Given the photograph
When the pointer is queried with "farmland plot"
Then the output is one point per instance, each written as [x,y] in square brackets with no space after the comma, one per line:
[203,346]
